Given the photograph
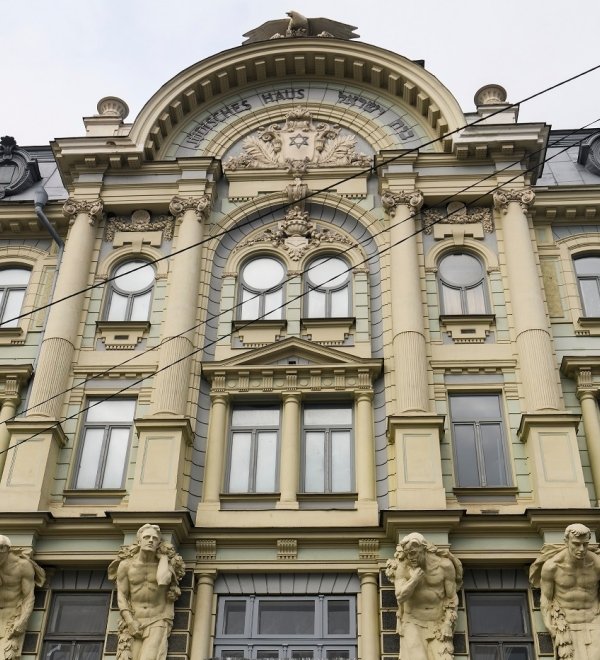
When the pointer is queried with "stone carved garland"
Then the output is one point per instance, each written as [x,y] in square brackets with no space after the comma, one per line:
[298,144]
[296,234]
[458,214]
[140,220]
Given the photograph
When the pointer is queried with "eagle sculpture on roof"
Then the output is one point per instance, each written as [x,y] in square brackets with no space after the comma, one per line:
[300,26]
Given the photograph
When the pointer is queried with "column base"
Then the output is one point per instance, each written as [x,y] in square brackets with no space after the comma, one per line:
[554,455]
[30,467]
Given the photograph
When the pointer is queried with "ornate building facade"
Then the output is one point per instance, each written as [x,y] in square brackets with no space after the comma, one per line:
[302,306]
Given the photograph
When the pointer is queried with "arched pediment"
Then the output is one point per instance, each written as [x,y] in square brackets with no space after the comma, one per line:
[385,100]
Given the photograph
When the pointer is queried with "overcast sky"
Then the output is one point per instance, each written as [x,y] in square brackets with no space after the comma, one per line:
[61,56]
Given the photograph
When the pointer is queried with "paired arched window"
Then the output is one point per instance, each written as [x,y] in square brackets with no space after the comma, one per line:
[462,284]
[327,288]
[261,284]
[13,284]
[130,293]
[587,269]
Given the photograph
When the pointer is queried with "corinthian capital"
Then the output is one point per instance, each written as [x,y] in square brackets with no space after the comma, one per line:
[92,208]
[523,196]
[200,205]
[390,200]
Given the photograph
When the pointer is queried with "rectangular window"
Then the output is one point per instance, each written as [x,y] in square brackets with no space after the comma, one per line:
[328,456]
[76,626]
[278,628]
[104,444]
[499,627]
[478,434]
[253,450]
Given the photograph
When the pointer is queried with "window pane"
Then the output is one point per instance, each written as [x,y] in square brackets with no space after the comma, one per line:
[497,614]
[314,462]
[273,305]
[338,617]
[255,416]
[460,270]
[263,273]
[493,455]
[267,655]
[14,301]
[266,461]
[250,305]
[341,464]
[72,650]
[14,277]
[141,307]
[590,296]
[451,301]
[239,471]
[587,266]
[235,617]
[138,280]
[113,410]
[327,273]
[339,302]
[303,655]
[467,472]
[517,652]
[475,407]
[286,618]
[115,458]
[485,652]
[57,651]
[117,310]
[475,300]
[337,655]
[90,458]
[232,655]
[328,416]
[316,304]
[79,613]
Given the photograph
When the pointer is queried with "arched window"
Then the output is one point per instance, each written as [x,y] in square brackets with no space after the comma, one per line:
[130,293]
[261,289]
[13,284]
[588,277]
[328,288]
[462,284]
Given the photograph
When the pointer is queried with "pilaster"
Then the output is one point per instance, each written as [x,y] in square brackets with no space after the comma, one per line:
[215,452]
[369,620]
[290,452]
[201,635]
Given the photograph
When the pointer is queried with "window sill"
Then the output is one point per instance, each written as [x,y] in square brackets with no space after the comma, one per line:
[331,331]
[327,500]
[255,334]
[122,335]
[78,496]
[485,493]
[242,324]
[12,336]
[467,328]
[255,501]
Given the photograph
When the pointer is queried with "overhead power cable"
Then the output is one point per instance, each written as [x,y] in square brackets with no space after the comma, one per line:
[250,322]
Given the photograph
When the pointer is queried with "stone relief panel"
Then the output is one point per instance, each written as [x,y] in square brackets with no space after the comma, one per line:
[457,213]
[140,220]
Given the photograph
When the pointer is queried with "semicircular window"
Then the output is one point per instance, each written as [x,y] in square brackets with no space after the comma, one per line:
[328,288]
[130,292]
[462,285]
[261,284]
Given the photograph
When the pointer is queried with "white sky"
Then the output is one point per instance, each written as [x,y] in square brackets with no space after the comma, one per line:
[61,56]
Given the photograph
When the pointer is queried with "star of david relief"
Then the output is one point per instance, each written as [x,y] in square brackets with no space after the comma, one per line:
[297,144]
[296,235]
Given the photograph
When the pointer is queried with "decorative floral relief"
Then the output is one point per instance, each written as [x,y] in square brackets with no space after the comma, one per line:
[140,220]
[458,214]
[298,144]
[296,234]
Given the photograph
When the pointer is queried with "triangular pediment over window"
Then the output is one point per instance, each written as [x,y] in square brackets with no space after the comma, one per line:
[292,363]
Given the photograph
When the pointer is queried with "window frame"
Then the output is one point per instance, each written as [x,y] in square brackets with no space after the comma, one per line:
[107,427]
[327,430]
[579,278]
[253,464]
[499,640]
[260,294]
[476,425]
[129,296]
[50,637]
[327,290]
[463,288]
[6,290]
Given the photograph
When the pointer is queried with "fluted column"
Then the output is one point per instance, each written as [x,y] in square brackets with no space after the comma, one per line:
[538,372]
[365,449]
[289,461]
[201,633]
[409,347]
[369,628]
[171,382]
[56,352]
[215,450]
[591,427]
[9,407]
